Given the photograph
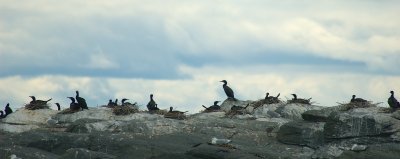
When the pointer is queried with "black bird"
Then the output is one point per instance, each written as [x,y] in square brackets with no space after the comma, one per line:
[73,106]
[392,101]
[8,110]
[213,107]
[58,106]
[81,101]
[152,105]
[116,102]
[2,114]
[110,103]
[39,102]
[228,90]
[125,103]
[294,97]
[267,96]
[359,100]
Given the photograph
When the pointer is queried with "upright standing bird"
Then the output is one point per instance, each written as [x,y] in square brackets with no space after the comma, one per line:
[392,101]
[81,101]
[116,102]
[152,105]
[58,106]
[228,90]
[7,109]
[73,105]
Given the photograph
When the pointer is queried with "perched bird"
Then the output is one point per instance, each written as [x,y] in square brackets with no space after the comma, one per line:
[213,107]
[270,99]
[266,95]
[124,103]
[359,100]
[228,90]
[110,103]
[39,102]
[294,97]
[81,101]
[73,106]
[58,106]
[7,109]
[116,102]
[152,105]
[392,101]
[2,114]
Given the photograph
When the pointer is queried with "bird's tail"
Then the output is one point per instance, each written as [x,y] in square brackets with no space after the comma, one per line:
[278,95]
[49,100]
[204,107]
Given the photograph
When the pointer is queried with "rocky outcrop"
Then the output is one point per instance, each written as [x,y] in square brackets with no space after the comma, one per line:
[302,133]
[319,115]
[360,122]
[261,131]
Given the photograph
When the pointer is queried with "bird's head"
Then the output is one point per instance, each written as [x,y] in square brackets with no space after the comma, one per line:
[391,92]
[216,102]
[224,81]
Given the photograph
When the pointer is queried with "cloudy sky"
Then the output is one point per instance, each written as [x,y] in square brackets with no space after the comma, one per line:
[179,50]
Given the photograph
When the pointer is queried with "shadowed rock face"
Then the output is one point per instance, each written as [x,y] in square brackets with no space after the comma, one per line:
[266,131]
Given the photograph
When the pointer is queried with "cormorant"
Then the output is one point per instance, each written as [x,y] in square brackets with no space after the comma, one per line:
[7,110]
[1,114]
[267,96]
[213,107]
[152,105]
[116,102]
[228,90]
[125,103]
[392,101]
[81,101]
[39,102]
[110,103]
[58,106]
[73,105]
[354,99]
[294,97]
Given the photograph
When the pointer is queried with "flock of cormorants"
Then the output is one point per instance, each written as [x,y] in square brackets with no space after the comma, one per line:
[79,103]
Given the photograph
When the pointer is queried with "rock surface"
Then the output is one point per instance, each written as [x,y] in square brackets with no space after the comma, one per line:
[262,131]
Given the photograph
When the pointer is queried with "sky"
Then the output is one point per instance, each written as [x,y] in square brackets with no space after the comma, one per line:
[180,50]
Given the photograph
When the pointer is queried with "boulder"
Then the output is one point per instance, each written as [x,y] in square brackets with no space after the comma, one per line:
[24,120]
[319,115]
[302,133]
[360,122]
[293,111]
[386,151]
